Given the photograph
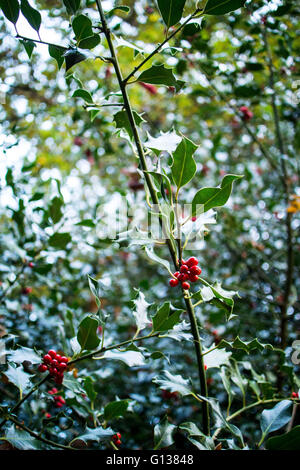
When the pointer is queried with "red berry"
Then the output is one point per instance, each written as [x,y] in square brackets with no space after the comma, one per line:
[58,404]
[27,290]
[195,270]
[177,274]
[194,278]
[52,353]
[62,400]
[118,435]
[184,268]
[64,359]
[173,282]
[205,367]
[192,261]
[62,366]
[31,265]
[42,368]
[194,219]
[185,285]
[58,357]
[118,442]
[47,358]
[48,415]
[54,363]
[295,395]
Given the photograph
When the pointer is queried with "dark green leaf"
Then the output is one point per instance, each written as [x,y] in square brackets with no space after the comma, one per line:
[86,223]
[22,440]
[96,434]
[32,15]
[184,166]
[275,418]
[115,409]
[122,121]
[29,46]
[163,434]
[60,240]
[171,11]
[221,7]
[287,441]
[84,94]
[72,6]
[55,209]
[87,333]
[208,198]
[58,54]
[174,383]
[90,389]
[73,57]
[82,27]
[163,321]
[11,9]
[158,75]
[90,42]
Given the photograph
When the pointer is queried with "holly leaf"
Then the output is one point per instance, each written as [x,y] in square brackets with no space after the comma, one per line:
[32,15]
[122,121]
[72,6]
[57,53]
[171,11]
[115,409]
[275,418]
[163,320]
[18,378]
[84,94]
[184,166]
[21,440]
[60,240]
[174,383]
[196,437]
[87,333]
[11,10]
[158,75]
[140,312]
[221,7]
[287,441]
[209,198]
[163,434]
[24,354]
[96,434]
[73,57]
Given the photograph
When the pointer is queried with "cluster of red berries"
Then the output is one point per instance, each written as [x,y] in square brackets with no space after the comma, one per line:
[55,364]
[117,439]
[189,271]
[59,400]
[295,395]
[247,114]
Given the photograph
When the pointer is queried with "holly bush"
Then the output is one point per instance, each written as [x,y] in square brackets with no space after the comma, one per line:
[150,230]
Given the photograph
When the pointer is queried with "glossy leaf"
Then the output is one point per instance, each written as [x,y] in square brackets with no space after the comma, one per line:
[87,333]
[73,57]
[184,166]
[214,197]
[115,409]
[82,27]
[29,46]
[11,9]
[171,11]
[18,378]
[32,15]
[287,441]
[174,383]
[163,434]
[140,312]
[72,6]
[84,94]
[165,320]
[277,417]
[158,75]
[122,121]
[221,7]
[57,53]
[98,434]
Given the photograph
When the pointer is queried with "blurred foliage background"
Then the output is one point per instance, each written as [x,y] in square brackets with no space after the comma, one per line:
[50,148]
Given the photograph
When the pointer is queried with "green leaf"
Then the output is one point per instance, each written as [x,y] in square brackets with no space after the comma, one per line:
[95,287]
[221,7]
[55,209]
[73,57]
[22,440]
[89,388]
[86,223]
[163,434]
[90,42]
[157,259]
[73,384]
[174,383]
[275,418]
[57,53]
[29,46]
[163,321]
[84,94]
[196,437]
[97,434]
[214,197]
[60,240]
[158,75]
[115,409]
[246,346]
[32,15]
[18,377]
[11,10]
[184,166]
[87,333]
[72,6]
[287,441]
[218,296]
[171,11]
[82,27]
[122,121]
